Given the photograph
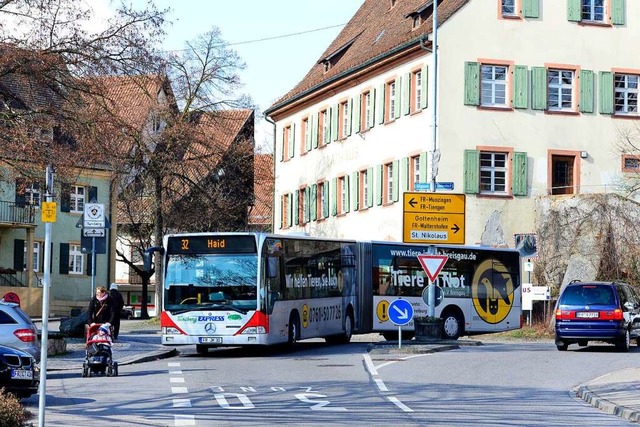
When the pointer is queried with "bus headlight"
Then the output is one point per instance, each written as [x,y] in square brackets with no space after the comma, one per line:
[168,330]
[254,330]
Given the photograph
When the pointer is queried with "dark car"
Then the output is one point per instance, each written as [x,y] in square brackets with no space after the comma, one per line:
[598,311]
[19,374]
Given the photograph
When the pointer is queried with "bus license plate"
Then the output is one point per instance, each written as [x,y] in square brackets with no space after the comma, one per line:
[211,340]
[588,314]
[21,374]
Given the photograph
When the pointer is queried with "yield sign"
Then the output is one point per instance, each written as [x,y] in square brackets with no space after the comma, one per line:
[432,264]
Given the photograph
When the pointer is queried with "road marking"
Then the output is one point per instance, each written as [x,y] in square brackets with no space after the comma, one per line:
[174,364]
[369,363]
[399,404]
[182,403]
[381,384]
[176,380]
[184,420]
[179,390]
[178,372]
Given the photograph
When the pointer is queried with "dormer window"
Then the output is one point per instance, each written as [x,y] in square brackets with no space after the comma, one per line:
[332,59]
[421,14]
[327,65]
[416,21]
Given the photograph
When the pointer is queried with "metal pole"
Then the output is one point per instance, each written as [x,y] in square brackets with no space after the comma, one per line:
[42,390]
[93,266]
[435,155]
[399,337]
[431,307]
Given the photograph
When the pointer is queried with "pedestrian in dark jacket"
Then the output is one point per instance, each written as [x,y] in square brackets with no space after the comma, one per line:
[101,307]
[118,303]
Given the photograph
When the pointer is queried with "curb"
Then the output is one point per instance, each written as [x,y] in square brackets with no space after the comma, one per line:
[131,360]
[584,393]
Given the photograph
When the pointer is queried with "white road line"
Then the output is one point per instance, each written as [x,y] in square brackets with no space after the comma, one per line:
[174,364]
[381,384]
[370,367]
[176,380]
[181,403]
[184,420]
[178,372]
[399,404]
[179,390]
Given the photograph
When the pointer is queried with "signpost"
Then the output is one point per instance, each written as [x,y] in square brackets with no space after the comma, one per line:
[94,226]
[433,218]
[432,264]
[400,313]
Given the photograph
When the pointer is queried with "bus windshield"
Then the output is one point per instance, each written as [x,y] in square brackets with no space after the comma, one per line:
[210,282]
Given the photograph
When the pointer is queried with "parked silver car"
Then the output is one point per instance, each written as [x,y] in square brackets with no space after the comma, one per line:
[17,330]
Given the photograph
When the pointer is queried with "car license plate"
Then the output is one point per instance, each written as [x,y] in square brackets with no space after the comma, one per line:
[211,340]
[588,314]
[21,374]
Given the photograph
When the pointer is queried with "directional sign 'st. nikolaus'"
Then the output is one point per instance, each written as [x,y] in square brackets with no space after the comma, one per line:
[433,218]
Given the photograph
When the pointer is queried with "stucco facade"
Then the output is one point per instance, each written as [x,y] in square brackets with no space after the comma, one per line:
[572,149]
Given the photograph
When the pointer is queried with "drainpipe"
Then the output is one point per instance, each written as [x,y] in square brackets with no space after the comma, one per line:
[273,210]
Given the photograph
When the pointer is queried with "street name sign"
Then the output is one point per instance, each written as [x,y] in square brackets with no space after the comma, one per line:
[426,186]
[433,218]
[400,312]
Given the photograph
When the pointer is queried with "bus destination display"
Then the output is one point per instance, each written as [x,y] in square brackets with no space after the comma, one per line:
[211,244]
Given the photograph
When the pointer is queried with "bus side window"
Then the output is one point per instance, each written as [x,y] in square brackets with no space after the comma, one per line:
[272,282]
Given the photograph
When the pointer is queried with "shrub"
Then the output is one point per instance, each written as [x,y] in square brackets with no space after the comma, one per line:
[12,414]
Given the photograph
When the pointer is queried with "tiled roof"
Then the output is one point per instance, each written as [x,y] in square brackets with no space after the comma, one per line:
[375,30]
[261,213]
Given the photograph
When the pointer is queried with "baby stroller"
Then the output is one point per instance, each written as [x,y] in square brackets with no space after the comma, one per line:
[99,358]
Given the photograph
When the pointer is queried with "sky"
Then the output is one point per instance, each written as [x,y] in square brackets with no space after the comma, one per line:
[275,65]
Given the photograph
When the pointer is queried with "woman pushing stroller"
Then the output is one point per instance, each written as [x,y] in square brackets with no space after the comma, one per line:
[102,308]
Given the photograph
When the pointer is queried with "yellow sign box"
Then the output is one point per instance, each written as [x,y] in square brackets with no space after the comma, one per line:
[433,218]
[48,211]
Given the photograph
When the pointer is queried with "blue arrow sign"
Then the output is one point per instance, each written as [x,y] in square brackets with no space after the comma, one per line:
[400,312]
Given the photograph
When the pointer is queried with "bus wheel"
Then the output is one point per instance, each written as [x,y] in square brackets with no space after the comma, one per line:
[294,330]
[201,349]
[345,336]
[453,325]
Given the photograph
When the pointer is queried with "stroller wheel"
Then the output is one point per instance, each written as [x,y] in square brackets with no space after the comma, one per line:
[110,371]
[115,369]
[85,371]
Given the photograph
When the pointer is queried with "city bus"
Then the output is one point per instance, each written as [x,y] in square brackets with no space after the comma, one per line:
[241,289]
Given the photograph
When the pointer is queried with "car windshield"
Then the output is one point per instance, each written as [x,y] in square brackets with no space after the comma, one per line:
[211,281]
[588,295]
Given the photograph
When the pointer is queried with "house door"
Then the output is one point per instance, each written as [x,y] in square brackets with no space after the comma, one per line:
[562,174]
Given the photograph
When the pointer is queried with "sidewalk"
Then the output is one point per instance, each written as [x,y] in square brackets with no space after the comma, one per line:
[617,393]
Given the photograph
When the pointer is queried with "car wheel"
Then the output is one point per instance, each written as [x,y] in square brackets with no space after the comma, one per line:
[561,345]
[452,326]
[625,341]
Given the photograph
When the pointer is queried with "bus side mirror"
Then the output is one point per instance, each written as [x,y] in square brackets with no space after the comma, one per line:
[272,267]
[147,257]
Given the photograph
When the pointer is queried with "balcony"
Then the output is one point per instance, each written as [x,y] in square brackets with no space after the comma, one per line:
[14,215]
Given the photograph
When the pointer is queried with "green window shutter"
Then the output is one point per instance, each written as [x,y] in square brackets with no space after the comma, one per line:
[313,203]
[424,176]
[334,122]
[347,201]
[309,135]
[290,210]
[280,144]
[314,130]
[65,197]
[349,115]
[586,91]
[424,101]
[520,86]
[398,104]
[396,180]
[292,141]
[538,88]
[93,194]
[380,104]
[334,196]
[471,83]
[530,8]
[370,187]
[374,106]
[306,209]
[296,210]
[605,97]
[406,94]
[573,10]
[356,191]
[64,258]
[379,185]
[519,174]
[325,198]
[355,114]
[471,171]
[617,12]
[404,174]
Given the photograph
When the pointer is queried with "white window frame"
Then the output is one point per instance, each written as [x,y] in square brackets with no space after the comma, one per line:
[36,255]
[344,110]
[590,10]
[626,94]
[508,8]
[323,138]
[33,195]
[415,167]
[367,110]
[388,177]
[493,172]
[77,197]
[343,195]
[391,88]
[364,175]
[558,89]
[417,78]
[76,259]
[494,80]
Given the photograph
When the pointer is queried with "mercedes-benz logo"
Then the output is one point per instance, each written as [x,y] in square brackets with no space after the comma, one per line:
[210,328]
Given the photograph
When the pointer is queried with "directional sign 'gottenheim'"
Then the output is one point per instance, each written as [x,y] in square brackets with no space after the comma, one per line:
[433,218]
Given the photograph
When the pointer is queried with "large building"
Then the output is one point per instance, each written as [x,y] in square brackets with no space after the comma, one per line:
[525,99]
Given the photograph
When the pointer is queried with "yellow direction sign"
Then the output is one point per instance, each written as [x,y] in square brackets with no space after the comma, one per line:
[433,218]
[48,211]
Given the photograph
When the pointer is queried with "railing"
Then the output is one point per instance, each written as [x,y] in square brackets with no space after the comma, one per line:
[11,279]
[13,213]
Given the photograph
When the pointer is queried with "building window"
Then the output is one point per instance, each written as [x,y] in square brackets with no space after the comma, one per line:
[76,260]
[630,163]
[388,182]
[77,198]
[367,110]
[286,203]
[304,136]
[36,255]
[560,90]
[563,174]
[343,119]
[323,128]
[390,97]
[626,94]
[416,85]
[322,205]
[493,173]
[303,208]
[593,10]
[286,142]
[343,199]
[32,194]
[509,8]
[494,85]
[365,191]
[415,175]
